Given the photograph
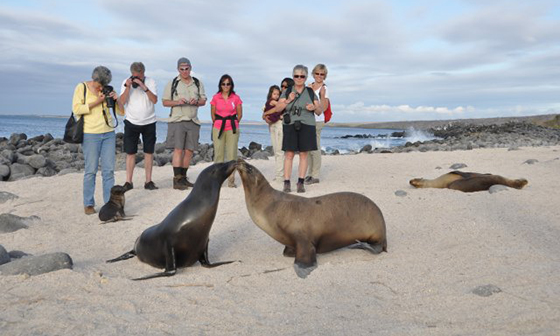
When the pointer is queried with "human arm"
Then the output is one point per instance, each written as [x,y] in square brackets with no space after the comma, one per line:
[239,109]
[213,112]
[81,106]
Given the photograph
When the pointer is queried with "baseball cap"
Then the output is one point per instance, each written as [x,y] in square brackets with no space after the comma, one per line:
[183,60]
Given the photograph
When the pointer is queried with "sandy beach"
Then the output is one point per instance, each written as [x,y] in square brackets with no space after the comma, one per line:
[442,245]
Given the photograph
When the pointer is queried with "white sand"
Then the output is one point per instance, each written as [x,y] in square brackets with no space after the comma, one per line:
[442,244]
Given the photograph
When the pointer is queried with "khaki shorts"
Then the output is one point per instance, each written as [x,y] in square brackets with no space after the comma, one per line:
[182,135]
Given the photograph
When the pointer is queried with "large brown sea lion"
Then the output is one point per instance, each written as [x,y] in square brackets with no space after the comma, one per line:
[467,182]
[181,239]
[307,226]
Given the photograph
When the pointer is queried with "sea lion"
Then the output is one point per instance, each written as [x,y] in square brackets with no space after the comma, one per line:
[467,182]
[114,209]
[307,226]
[181,239]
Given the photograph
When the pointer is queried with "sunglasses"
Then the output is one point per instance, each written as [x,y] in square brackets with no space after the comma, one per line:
[284,86]
[299,76]
[319,74]
[225,84]
[184,69]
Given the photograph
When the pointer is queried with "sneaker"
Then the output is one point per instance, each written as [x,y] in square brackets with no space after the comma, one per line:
[287,187]
[311,180]
[127,186]
[300,188]
[150,186]
[89,210]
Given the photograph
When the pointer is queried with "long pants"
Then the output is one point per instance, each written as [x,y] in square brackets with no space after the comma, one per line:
[98,147]
[314,159]
[276,135]
[225,148]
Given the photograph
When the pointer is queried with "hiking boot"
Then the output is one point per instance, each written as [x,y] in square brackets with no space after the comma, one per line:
[127,186]
[300,188]
[178,183]
[287,187]
[89,210]
[150,186]
[311,180]
[187,182]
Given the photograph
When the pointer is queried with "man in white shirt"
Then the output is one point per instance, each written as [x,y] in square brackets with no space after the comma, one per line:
[138,95]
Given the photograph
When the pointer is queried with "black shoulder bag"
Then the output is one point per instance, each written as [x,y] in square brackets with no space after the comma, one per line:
[74,130]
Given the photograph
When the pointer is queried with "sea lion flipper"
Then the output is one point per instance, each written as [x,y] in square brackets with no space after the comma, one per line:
[306,259]
[157,275]
[170,264]
[373,248]
[206,263]
[127,255]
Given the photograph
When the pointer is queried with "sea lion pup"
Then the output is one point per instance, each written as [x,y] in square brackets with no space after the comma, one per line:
[181,239]
[467,182]
[114,209]
[307,226]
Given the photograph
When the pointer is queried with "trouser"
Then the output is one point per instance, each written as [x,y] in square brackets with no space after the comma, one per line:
[225,148]
[98,147]
[314,160]
[276,140]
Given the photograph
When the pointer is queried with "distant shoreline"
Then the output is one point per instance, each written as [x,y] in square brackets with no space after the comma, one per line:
[427,124]
[396,125]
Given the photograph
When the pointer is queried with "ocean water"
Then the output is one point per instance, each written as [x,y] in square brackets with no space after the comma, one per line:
[331,137]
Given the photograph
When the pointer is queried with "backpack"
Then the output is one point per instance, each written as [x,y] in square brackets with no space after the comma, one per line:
[309,91]
[176,82]
[174,89]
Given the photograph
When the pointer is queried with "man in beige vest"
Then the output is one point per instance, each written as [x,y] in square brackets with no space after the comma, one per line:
[184,94]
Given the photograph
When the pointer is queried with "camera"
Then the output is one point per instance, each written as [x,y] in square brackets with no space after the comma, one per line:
[297,111]
[107,89]
[134,84]
[287,119]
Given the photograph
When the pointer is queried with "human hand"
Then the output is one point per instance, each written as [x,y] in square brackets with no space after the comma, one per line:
[310,107]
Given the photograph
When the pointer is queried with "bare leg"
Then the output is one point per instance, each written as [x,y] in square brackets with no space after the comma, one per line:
[148,164]
[302,169]
[130,163]
[288,161]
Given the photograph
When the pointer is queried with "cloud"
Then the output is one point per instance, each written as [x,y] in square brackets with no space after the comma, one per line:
[387,60]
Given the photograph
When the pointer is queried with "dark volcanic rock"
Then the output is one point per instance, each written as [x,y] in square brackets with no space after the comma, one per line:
[6,196]
[11,223]
[4,256]
[37,265]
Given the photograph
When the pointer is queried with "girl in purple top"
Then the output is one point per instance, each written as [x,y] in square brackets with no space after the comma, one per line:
[226,110]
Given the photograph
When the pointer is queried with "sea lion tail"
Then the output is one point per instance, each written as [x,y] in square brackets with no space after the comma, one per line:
[127,255]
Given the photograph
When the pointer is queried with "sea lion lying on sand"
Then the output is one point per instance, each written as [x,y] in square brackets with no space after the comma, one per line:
[307,226]
[467,182]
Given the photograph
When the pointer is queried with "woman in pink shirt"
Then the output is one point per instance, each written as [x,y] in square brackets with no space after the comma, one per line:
[226,109]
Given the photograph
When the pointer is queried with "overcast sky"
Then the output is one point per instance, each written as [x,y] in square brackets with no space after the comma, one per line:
[387,60]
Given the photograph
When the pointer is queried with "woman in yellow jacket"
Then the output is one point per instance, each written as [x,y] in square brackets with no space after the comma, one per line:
[99,135]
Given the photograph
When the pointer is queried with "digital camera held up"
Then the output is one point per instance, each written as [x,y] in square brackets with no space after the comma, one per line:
[107,89]
[134,84]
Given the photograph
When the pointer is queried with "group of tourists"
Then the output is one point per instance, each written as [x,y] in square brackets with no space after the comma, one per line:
[293,112]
